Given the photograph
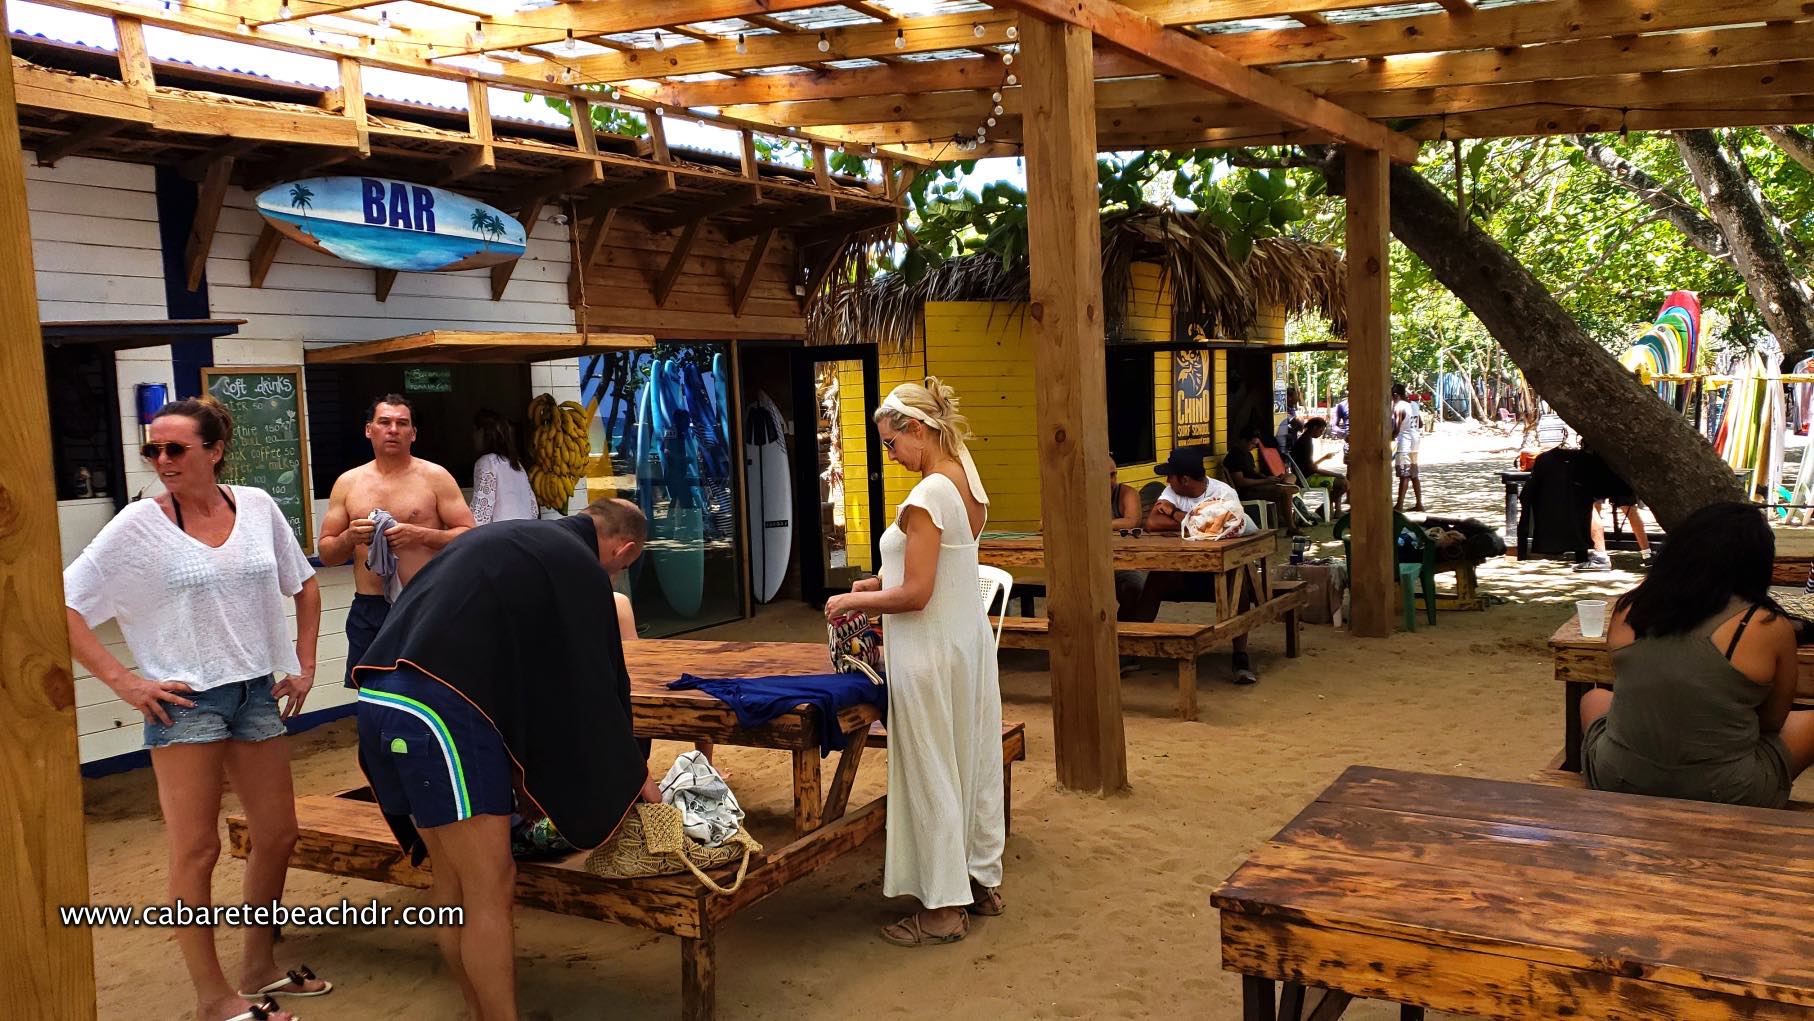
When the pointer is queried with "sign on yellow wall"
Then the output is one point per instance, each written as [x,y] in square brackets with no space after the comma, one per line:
[1193,398]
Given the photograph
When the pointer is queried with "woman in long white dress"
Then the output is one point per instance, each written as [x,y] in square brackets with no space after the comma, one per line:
[945,815]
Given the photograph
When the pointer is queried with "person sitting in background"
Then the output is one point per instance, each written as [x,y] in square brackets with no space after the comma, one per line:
[1124,512]
[1303,454]
[1242,465]
[500,486]
[1186,486]
[1291,425]
[1704,667]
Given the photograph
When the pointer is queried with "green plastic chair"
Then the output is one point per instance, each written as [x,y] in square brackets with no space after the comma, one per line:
[1409,574]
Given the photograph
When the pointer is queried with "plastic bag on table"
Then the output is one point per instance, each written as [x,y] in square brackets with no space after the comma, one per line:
[709,811]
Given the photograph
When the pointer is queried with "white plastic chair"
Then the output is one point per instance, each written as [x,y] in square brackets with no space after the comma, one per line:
[989,581]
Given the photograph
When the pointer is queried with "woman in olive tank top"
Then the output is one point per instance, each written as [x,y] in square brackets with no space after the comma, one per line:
[1704,671]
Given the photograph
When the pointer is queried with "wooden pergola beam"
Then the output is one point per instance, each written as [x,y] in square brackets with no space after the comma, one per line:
[736,198]
[50,965]
[785,217]
[78,141]
[551,24]
[833,83]
[1065,310]
[1192,58]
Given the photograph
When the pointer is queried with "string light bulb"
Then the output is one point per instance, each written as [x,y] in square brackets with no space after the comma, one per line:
[384,21]
[1013,80]
[900,38]
[566,76]
[244,29]
[572,44]
[742,47]
[990,122]
[1007,58]
[284,11]
[478,34]
[1013,32]
[660,43]
[824,43]
[978,30]
[997,111]
[995,97]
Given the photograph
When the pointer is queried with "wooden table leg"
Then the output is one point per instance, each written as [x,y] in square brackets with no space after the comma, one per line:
[1291,1002]
[1293,634]
[1331,1006]
[846,776]
[698,977]
[1256,999]
[807,804]
[1571,724]
[1226,584]
[1187,688]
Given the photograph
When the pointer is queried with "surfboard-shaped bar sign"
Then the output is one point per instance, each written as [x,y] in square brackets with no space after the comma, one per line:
[386,224]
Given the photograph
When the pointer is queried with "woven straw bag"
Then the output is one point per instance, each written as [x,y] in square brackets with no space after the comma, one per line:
[652,841]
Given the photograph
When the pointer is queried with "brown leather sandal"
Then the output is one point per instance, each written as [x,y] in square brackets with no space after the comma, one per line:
[919,937]
[989,904]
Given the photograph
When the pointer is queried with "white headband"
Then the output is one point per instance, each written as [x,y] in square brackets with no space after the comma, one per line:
[894,404]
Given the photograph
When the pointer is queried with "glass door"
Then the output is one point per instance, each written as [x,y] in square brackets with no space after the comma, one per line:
[838,474]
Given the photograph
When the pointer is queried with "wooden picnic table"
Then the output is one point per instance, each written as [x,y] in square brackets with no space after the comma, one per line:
[1513,900]
[1586,663]
[1794,555]
[346,835]
[1238,565]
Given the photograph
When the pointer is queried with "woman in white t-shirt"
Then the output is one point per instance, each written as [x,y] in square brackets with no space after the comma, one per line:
[500,487]
[197,579]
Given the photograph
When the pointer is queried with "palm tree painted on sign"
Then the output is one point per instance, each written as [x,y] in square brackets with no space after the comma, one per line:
[490,227]
[302,198]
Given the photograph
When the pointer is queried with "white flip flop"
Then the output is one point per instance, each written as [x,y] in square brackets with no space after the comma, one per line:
[261,1011]
[300,975]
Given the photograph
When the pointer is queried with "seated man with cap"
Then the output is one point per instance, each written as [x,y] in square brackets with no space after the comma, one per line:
[1186,486]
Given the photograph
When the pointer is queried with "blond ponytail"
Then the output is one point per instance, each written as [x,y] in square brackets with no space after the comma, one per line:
[938,403]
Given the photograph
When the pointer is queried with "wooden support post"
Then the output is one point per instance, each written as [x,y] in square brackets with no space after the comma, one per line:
[1372,572]
[264,252]
[585,134]
[383,279]
[658,139]
[135,60]
[1070,393]
[747,282]
[1187,688]
[208,201]
[747,152]
[821,166]
[478,123]
[846,777]
[352,96]
[664,283]
[49,966]
[698,976]
[500,274]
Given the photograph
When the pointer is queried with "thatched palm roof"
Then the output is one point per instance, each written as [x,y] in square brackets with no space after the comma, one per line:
[1209,288]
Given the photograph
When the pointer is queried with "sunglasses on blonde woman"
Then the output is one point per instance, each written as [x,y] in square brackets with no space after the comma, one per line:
[171,450]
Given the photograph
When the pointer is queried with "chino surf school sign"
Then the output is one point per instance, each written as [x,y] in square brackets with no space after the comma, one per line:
[1193,398]
[386,224]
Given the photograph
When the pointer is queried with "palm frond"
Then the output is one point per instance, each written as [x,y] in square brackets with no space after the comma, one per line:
[1209,288]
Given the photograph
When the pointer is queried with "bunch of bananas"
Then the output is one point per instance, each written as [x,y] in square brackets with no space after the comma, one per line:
[561,448]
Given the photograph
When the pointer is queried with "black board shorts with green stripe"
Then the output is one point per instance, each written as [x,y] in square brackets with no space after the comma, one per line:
[429,753]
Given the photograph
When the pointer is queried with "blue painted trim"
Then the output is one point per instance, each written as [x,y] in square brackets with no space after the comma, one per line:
[142,758]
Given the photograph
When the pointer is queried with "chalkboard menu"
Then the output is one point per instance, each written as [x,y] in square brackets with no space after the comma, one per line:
[270,449]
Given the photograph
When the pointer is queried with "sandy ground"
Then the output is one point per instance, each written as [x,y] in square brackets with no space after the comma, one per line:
[1108,898]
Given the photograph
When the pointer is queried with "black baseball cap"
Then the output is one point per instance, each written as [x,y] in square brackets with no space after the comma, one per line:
[1184,461]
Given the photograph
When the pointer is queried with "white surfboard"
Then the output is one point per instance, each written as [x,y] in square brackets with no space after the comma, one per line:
[771,496]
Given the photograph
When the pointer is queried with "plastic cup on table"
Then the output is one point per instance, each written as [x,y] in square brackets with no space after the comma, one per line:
[1592,614]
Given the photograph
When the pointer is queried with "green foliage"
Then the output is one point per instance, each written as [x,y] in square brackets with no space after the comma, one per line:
[607,119]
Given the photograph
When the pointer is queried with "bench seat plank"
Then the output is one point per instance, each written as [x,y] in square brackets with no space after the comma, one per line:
[1578,781]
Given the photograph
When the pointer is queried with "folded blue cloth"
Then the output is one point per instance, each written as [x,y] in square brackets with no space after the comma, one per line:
[758,700]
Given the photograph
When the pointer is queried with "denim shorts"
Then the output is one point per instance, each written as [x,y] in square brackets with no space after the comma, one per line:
[240,711]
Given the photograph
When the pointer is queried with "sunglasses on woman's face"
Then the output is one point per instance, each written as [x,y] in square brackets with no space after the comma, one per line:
[888,441]
[171,450]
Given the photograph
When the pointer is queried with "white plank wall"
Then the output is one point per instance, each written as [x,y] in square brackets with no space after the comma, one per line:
[95,249]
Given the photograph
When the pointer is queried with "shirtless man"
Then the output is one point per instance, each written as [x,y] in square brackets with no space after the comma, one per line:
[422,497]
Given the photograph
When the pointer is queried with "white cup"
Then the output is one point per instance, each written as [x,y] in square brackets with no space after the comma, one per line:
[1592,613]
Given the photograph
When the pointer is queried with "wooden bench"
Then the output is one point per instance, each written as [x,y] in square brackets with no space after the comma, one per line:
[346,835]
[1013,749]
[1578,781]
[1467,586]
[1182,642]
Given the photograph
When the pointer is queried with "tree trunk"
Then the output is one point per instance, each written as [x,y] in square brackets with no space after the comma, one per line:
[1755,248]
[1799,146]
[1670,466]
